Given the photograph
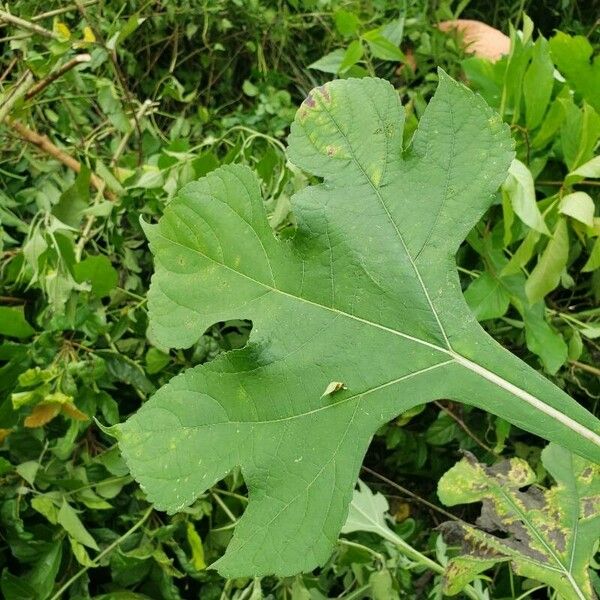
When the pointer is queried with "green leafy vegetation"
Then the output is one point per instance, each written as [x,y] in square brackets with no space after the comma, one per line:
[108,110]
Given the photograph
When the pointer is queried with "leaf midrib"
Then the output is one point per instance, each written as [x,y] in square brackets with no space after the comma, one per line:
[390,218]
[482,371]
[458,358]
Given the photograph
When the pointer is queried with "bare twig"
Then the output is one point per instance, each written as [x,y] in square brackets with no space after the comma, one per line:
[464,427]
[46,146]
[17,92]
[12,300]
[119,73]
[61,11]
[585,367]
[410,494]
[9,68]
[123,143]
[562,183]
[44,83]
[23,24]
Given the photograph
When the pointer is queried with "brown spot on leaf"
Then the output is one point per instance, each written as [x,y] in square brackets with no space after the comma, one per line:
[558,537]
[324,91]
[590,506]
[309,101]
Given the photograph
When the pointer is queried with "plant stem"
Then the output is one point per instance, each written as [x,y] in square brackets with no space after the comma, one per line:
[465,428]
[16,93]
[23,24]
[410,494]
[585,367]
[44,83]
[417,556]
[45,145]
[102,554]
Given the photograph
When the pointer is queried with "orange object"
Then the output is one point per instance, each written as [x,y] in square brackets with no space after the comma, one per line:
[478,38]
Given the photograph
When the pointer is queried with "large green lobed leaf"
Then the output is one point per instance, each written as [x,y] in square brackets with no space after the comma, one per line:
[366,294]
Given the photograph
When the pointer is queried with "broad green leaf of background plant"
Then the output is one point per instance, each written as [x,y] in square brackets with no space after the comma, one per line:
[366,294]
[573,57]
[548,535]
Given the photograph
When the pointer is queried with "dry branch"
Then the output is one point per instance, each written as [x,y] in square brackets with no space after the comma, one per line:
[48,147]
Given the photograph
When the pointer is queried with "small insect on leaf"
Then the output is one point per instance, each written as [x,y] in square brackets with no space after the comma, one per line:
[333,387]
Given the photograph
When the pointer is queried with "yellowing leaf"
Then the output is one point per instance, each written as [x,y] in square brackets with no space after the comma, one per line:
[72,411]
[366,293]
[62,30]
[196,547]
[43,413]
[578,206]
[88,35]
[59,397]
[4,433]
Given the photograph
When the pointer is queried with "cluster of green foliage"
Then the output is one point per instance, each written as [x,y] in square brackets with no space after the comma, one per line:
[156,95]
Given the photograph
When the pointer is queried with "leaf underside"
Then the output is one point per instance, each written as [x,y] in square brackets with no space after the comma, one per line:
[366,294]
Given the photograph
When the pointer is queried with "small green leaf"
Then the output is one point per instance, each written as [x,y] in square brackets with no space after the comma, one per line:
[543,340]
[575,345]
[346,23]
[43,575]
[522,255]
[74,200]
[574,57]
[589,169]
[67,517]
[13,323]
[579,206]
[352,55]
[156,360]
[28,470]
[382,586]
[538,83]
[99,272]
[579,133]
[381,47]
[487,297]
[367,512]
[330,63]
[593,262]
[520,190]
[196,547]
[46,505]
[553,260]
[80,553]
[15,588]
